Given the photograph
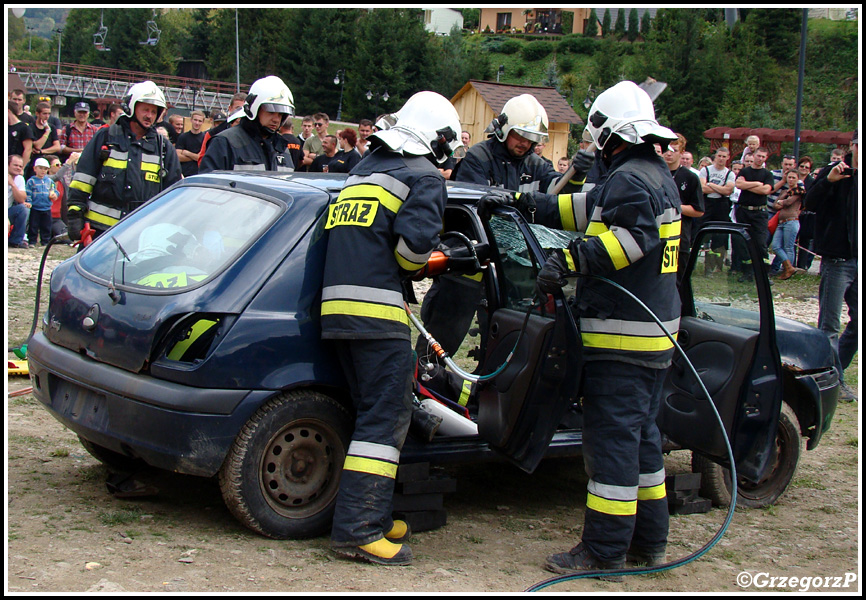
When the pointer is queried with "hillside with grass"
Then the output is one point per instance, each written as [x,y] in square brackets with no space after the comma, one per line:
[716,77]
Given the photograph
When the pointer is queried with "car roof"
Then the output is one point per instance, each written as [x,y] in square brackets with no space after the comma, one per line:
[327,182]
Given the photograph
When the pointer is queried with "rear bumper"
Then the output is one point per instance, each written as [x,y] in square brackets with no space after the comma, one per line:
[169,426]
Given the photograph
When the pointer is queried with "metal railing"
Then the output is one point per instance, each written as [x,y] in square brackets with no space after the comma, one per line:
[86,81]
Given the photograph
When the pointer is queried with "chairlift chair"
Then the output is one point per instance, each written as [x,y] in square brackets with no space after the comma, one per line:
[99,37]
[152,32]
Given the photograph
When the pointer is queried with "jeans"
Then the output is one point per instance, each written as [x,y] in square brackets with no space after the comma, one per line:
[18,218]
[783,241]
[838,284]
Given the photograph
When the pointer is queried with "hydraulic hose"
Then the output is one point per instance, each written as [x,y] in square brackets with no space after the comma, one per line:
[715,539]
[442,354]
[57,238]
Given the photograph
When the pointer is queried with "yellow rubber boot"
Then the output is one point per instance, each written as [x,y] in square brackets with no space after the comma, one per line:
[380,552]
[399,532]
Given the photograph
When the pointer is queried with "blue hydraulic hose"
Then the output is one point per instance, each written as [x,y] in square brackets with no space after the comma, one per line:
[715,539]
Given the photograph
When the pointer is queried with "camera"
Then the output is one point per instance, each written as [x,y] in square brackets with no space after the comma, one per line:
[846,171]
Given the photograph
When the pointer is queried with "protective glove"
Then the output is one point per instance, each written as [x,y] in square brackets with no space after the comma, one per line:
[495,198]
[76,224]
[524,202]
[582,163]
[552,274]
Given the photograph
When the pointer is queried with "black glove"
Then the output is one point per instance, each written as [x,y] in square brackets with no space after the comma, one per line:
[524,202]
[495,198]
[552,274]
[76,224]
[582,163]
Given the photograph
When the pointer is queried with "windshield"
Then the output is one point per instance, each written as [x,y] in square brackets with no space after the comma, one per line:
[180,240]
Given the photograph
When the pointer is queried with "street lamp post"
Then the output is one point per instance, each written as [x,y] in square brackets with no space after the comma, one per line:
[340,79]
[59,44]
[30,31]
[590,96]
[383,95]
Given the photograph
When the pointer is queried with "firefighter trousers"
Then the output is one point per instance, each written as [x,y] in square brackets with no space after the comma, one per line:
[626,502]
[379,374]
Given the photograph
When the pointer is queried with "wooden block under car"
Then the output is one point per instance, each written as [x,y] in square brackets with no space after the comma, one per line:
[413,472]
[424,520]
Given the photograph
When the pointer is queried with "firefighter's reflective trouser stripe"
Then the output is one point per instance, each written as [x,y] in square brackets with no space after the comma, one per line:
[626,502]
[379,374]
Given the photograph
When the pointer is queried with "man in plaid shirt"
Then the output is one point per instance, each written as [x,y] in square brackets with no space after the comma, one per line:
[74,137]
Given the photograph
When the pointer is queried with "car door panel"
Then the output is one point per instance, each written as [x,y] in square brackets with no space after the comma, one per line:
[727,330]
[717,352]
[520,408]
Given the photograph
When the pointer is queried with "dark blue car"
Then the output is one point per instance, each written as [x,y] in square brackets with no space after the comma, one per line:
[187,338]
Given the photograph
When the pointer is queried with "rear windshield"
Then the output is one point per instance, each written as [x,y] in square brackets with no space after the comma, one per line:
[179,240]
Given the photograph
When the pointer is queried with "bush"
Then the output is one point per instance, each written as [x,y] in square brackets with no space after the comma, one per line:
[566,64]
[537,50]
[510,47]
[577,44]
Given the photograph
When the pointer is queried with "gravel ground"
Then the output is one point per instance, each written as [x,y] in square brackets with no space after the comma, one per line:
[66,534]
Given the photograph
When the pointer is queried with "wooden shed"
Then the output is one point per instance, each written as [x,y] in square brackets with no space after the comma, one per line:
[479,101]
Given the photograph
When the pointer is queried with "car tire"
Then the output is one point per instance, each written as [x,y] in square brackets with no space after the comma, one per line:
[282,474]
[115,461]
[716,480]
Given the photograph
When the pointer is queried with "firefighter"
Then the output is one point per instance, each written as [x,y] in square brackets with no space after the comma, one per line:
[505,160]
[124,165]
[631,224]
[382,228]
[254,144]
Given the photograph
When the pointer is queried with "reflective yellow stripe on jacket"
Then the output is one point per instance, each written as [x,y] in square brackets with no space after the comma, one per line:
[360,301]
[618,334]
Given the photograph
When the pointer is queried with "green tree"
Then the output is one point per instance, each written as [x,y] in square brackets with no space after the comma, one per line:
[197,45]
[591,25]
[391,52]
[633,25]
[608,64]
[127,28]
[645,24]
[320,39]
[780,30]
[605,23]
[619,27]
[262,36]
[688,54]
[457,62]
[471,17]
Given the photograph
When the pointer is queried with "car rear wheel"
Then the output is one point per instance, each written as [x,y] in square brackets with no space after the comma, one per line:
[716,480]
[282,473]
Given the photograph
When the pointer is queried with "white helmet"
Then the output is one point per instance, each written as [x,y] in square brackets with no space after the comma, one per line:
[147,92]
[271,94]
[427,124]
[627,111]
[524,115]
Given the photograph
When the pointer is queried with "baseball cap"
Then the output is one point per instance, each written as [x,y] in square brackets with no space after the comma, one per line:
[218,116]
[82,106]
[41,162]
